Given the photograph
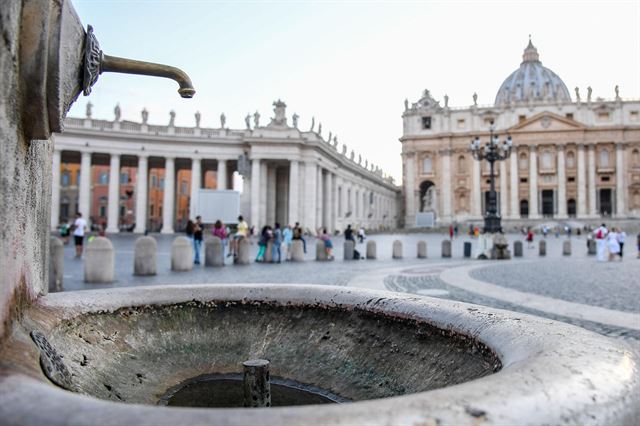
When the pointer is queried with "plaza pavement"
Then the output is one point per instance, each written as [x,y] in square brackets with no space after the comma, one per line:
[601,296]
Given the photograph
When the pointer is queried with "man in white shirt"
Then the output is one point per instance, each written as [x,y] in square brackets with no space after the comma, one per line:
[79,228]
[600,235]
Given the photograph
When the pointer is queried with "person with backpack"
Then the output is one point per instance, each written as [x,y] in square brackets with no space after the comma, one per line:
[265,236]
[600,235]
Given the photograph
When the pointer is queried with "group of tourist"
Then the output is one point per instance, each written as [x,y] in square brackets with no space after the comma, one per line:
[611,241]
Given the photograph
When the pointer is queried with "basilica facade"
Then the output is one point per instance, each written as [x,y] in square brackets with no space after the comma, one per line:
[571,157]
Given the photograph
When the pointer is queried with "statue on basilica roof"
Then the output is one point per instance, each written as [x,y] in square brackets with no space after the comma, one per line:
[223,120]
[198,117]
[247,121]
[577,94]
[90,105]
[256,119]
[117,112]
[617,90]
[172,118]
[145,115]
[294,119]
[589,92]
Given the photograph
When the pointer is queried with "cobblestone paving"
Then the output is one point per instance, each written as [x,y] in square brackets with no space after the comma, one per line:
[612,285]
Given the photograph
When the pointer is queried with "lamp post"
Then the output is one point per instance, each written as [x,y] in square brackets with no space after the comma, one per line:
[492,151]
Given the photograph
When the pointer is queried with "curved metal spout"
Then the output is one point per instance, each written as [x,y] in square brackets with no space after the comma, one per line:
[96,62]
[130,66]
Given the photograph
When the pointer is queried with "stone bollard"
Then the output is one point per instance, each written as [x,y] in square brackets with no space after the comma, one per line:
[56,264]
[566,248]
[99,261]
[467,248]
[422,249]
[243,257]
[297,251]
[213,252]
[349,247]
[257,385]
[182,254]
[446,248]
[321,253]
[268,253]
[591,247]
[145,256]
[397,249]
[517,249]
[542,248]
[371,250]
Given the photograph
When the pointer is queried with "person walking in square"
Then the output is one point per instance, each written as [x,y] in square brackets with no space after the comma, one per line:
[297,235]
[277,243]
[328,245]
[220,231]
[197,239]
[287,234]
[600,235]
[79,230]
[612,244]
[622,236]
[530,238]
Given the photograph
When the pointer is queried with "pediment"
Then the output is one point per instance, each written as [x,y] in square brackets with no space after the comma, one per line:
[547,122]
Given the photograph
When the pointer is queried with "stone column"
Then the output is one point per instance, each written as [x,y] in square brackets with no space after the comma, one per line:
[514,211]
[334,202]
[114,194]
[196,183]
[410,202]
[294,191]
[271,196]
[55,190]
[311,173]
[591,169]
[84,196]
[328,207]
[562,184]
[264,182]
[446,185]
[168,200]
[255,192]
[504,208]
[141,195]
[476,195]
[319,199]
[533,183]
[621,209]
[582,187]
[222,174]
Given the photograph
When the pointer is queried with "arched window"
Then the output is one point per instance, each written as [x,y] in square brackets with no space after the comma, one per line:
[604,158]
[522,161]
[524,208]
[546,160]
[462,164]
[635,158]
[571,207]
[427,165]
[571,160]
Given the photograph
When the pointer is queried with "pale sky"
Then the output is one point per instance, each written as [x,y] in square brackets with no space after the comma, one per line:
[351,64]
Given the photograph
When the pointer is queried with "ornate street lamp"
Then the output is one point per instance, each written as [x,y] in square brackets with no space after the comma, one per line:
[492,151]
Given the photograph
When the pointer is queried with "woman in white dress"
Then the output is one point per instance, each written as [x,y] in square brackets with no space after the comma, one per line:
[612,244]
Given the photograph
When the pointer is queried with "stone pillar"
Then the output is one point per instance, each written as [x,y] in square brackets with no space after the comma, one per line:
[270,212]
[263,193]
[334,203]
[255,192]
[294,192]
[349,247]
[99,261]
[446,185]
[168,200]
[514,210]
[145,256]
[591,169]
[410,202]
[504,204]
[114,194]
[55,190]
[319,200]
[56,264]
[222,174]
[562,184]
[371,250]
[84,196]
[328,206]
[181,254]
[396,249]
[422,249]
[533,183]
[141,195]
[621,209]
[196,182]
[582,188]
[446,248]
[310,171]
[243,257]
[297,251]
[213,252]
[476,194]
[566,248]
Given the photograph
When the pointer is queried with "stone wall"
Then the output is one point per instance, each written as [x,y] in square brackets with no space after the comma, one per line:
[25,186]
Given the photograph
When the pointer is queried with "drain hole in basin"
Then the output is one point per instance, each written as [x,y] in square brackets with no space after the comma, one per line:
[227,391]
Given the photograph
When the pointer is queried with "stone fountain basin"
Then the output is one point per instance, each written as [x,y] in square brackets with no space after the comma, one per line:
[401,359]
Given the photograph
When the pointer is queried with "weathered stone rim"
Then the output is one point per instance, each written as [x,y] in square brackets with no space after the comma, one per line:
[553,373]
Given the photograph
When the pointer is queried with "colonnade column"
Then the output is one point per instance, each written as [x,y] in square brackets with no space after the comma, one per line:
[84,196]
[222,174]
[562,185]
[327,205]
[533,183]
[196,182]
[114,193]
[334,203]
[514,211]
[168,201]
[446,185]
[591,169]
[141,195]
[476,197]
[55,189]
[255,192]
[410,213]
[504,208]
[319,199]
[270,208]
[311,174]
[582,188]
[621,209]
[294,191]
[263,194]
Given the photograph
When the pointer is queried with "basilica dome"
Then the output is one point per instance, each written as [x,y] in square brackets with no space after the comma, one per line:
[532,81]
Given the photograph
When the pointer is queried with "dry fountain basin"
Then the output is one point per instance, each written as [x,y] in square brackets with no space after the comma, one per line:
[157,355]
